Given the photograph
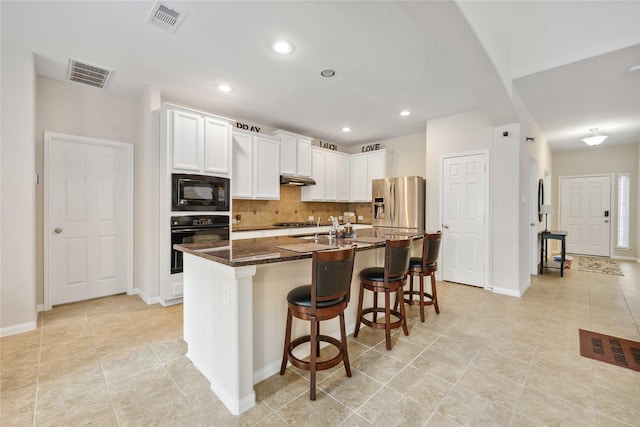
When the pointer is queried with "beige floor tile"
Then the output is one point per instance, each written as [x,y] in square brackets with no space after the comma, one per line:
[444,366]
[116,366]
[351,391]
[550,410]
[619,406]
[356,420]
[492,386]
[324,411]
[139,385]
[438,420]
[216,414]
[272,420]
[167,407]
[403,350]
[467,408]
[389,407]
[377,365]
[420,386]
[182,370]
[18,406]
[279,390]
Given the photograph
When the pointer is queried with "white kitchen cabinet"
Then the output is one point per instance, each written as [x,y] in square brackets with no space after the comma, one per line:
[366,167]
[343,174]
[217,144]
[255,166]
[315,192]
[199,143]
[330,171]
[295,154]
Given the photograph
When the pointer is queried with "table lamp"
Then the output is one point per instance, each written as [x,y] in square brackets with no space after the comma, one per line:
[546,210]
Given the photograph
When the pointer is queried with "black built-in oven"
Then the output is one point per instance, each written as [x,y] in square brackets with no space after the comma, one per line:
[196,229]
[199,193]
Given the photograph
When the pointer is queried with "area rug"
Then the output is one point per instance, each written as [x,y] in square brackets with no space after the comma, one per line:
[599,265]
[605,348]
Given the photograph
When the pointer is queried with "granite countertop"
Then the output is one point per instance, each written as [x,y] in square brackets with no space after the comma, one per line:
[236,228]
[267,250]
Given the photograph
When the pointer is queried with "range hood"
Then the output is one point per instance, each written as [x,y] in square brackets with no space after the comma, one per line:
[296,180]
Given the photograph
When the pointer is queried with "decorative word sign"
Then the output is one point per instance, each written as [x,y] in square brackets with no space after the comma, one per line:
[370,147]
[328,146]
[247,127]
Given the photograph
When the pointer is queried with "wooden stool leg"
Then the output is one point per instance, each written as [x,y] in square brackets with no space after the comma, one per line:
[318,341]
[313,362]
[434,292]
[387,320]
[359,316]
[287,342]
[422,298]
[375,306]
[404,316]
[345,353]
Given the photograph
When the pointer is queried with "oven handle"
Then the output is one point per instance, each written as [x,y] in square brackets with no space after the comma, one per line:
[189,230]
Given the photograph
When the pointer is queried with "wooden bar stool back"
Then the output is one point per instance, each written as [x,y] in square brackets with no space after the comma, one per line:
[326,298]
[388,279]
[427,265]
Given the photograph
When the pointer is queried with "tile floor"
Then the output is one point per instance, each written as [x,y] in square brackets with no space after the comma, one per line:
[487,359]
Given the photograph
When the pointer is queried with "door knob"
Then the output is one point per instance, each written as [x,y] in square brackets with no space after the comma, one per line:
[606,220]
[533,224]
[57,230]
[445,226]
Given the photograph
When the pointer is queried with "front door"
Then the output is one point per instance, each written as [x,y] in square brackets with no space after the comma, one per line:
[88,217]
[585,213]
[464,242]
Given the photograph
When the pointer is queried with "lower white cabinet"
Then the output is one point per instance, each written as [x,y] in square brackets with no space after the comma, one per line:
[256,167]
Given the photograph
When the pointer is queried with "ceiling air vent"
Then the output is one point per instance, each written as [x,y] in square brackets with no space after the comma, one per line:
[91,75]
[165,18]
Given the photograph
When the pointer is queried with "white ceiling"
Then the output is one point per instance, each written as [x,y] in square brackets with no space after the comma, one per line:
[387,57]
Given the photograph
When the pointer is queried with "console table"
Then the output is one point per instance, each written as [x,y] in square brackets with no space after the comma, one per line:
[545,236]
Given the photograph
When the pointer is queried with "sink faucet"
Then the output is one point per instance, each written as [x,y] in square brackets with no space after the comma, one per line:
[317,230]
[334,227]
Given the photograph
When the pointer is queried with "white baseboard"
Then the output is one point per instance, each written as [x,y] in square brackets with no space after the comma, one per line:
[626,258]
[145,298]
[18,329]
[508,292]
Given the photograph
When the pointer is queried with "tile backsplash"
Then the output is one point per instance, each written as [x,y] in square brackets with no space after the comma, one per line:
[291,209]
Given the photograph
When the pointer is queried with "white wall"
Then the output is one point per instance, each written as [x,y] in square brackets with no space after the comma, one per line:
[473,132]
[78,110]
[602,159]
[17,215]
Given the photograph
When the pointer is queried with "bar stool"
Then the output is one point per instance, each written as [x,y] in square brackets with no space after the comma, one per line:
[390,278]
[326,298]
[427,265]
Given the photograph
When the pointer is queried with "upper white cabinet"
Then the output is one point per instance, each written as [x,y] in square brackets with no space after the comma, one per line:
[330,171]
[256,167]
[199,143]
[366,167]
[295,154]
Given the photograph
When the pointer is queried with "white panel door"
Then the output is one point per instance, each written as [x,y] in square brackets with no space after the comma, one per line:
[463,220]
[584,204]
[88,214]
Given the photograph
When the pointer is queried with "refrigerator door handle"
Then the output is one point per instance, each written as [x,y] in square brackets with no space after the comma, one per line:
[393,203]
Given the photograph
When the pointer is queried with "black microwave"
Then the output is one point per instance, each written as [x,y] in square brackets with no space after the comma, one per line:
[200,193]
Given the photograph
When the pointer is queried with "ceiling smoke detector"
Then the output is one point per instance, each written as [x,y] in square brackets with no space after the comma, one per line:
[165,18]
[87,74]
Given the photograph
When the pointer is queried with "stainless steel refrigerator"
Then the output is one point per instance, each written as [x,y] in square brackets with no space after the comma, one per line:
[398,202]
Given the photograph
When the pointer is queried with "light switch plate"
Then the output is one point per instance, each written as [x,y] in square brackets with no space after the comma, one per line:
[360,217]
[310,217]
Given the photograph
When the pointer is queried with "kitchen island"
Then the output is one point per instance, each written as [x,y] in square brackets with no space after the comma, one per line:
[235,303]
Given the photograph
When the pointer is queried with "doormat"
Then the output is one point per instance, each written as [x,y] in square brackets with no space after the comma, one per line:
[605,348]
[599,265]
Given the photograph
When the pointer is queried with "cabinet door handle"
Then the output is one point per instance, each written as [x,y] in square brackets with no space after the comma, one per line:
[57,230]
[445,226]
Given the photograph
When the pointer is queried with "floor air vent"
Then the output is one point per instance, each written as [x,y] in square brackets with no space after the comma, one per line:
[165,18]
[88,74]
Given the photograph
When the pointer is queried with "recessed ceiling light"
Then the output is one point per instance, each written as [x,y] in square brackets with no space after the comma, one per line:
[225,88]
[282,47]
[327,73]
[405,113]
[346,129]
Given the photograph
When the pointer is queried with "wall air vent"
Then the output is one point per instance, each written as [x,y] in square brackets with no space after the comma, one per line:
[91,75]
[165,18]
